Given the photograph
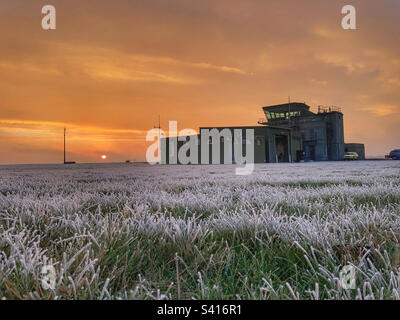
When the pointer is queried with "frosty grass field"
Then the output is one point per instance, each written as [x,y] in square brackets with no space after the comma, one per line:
[132,231]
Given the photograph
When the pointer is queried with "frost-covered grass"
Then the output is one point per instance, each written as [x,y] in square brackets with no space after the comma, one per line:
[131,231]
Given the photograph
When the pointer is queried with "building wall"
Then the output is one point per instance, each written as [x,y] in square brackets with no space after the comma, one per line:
[297,148]
[264,144]
[260,148]
[313,130]
[323,136]
[336,141]
[317,137]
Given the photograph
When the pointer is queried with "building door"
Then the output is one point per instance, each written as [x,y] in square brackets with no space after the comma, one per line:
[312,153]
[281,148]
[266,150]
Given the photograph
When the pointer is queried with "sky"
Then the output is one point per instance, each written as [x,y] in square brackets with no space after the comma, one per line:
[111,67]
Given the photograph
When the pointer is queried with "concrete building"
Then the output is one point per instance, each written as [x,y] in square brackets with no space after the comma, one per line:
[271,144]
[289,133]
[321,134]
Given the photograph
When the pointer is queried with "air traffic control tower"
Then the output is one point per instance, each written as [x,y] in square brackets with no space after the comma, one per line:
[315,136]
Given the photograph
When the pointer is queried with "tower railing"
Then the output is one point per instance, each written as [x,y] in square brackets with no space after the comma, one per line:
[262,121]
[327,109]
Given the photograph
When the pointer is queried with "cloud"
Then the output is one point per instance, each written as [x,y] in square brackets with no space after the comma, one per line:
[323,83]
[340,60]
[324,32]
[383,110]
[389,82]
[176,62]
[105,64]
[45,130]
[112,72]
[28,67]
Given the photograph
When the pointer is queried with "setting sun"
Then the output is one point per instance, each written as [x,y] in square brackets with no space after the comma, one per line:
[104,157]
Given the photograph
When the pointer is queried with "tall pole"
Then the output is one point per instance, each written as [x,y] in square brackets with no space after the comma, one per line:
[159,129]
[290,135]
[65,130]
[159,136]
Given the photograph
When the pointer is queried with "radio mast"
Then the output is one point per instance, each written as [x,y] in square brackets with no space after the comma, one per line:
[65,149]
[65,131]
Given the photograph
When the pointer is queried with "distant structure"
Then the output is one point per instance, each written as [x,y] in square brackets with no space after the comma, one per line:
[290,132]
[356,147]
[315,136]
[65,149]
[65,133]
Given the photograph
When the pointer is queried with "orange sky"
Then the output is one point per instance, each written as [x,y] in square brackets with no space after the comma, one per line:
[111,67]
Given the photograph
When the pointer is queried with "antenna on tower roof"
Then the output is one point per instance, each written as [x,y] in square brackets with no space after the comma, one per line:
[159,127]
[159,123]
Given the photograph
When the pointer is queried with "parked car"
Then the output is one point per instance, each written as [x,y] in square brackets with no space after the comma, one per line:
[350,156]
[395,154]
